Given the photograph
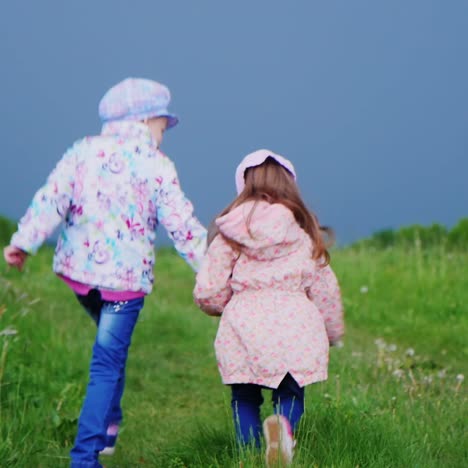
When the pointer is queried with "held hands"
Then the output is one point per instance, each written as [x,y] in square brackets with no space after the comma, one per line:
[14,256]
[212,312]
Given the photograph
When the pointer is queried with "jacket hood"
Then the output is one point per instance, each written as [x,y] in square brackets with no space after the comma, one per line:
[271,232]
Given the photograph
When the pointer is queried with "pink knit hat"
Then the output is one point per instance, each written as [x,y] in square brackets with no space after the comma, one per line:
[255,159]
[136,99]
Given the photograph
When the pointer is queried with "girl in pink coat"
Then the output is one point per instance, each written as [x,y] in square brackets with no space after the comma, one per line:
[267,274]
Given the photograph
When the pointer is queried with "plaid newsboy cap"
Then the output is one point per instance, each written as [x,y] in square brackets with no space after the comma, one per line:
[136,99]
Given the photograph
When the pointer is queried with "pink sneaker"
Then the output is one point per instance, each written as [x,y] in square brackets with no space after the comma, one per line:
[111,439]
[279,439]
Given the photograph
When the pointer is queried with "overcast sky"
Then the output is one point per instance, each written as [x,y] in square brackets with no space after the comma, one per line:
[368,98]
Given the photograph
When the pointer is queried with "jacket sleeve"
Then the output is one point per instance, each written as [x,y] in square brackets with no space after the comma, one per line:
[175,213]
[212,289]
[49,206]
[322,288]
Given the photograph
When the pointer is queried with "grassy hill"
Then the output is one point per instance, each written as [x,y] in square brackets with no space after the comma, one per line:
[7,228]
[395,395]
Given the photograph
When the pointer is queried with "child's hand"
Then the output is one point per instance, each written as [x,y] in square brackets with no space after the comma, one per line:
[212,312]
[14,256]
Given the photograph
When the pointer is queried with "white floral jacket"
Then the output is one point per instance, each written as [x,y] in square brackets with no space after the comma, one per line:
[111,191]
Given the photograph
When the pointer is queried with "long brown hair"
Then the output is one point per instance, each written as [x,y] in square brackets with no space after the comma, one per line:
[273,183]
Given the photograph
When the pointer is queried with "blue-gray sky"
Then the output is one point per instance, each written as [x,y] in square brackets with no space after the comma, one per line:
[368,98]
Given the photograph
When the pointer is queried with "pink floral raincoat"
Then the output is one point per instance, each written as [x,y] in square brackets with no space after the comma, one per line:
[279,308]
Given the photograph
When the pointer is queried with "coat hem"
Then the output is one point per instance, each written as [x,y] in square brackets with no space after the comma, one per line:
[94,281]
[274,382]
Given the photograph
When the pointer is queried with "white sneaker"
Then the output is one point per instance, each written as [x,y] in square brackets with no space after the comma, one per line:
[280,441]
[107,451]
[111,439]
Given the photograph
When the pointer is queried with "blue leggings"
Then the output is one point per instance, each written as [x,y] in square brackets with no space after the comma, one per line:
[288,400]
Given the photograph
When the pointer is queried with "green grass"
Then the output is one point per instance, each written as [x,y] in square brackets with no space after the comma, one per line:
[383,405]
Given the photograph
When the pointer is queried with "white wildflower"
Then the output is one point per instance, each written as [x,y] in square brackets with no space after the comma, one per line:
[442,373]
[460,378]
[398,373]
[410,352]
[364,289]
[427,379]
[392,347]
[380,343]
[8,331]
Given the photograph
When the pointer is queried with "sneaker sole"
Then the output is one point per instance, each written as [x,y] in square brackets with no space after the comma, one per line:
[107,451]
[275,434]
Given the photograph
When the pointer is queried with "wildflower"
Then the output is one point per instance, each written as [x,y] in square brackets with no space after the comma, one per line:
[410,352]
[380,343]
[398,373]
[427,379]
[459,378]
[364,289]
[392,347]
[442,373]
[9,331]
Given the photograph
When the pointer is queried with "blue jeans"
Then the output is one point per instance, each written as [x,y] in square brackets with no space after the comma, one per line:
[288,400]
[115,323]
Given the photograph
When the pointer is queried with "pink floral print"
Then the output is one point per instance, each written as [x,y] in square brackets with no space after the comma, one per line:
[279,308]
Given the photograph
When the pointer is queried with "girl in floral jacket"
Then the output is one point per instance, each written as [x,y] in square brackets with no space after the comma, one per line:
[110,192]
[266,273]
